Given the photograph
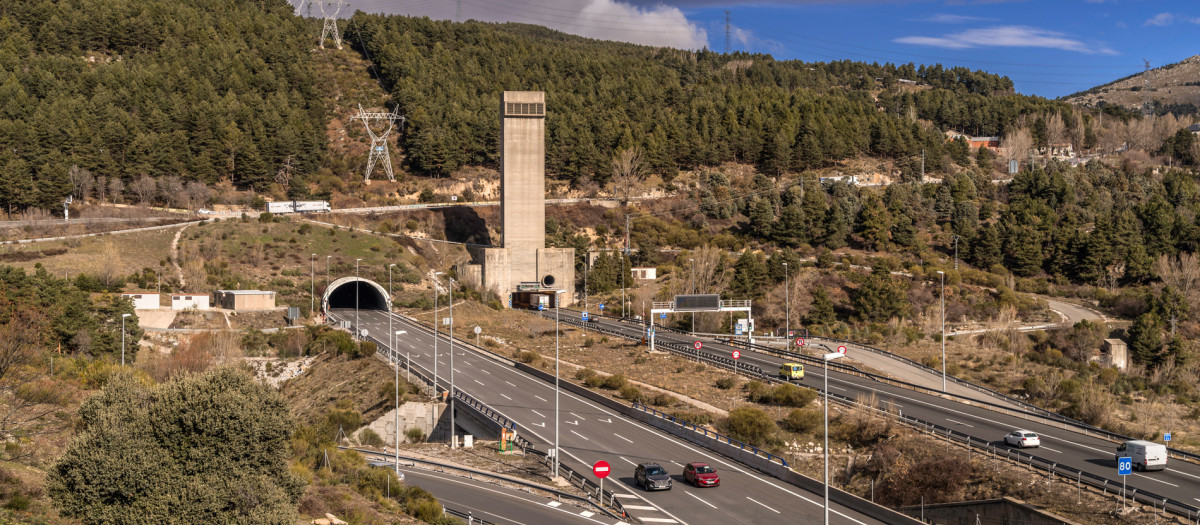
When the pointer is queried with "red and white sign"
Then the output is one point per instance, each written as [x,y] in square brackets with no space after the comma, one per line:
[600,469]
[736,354]
[698,345]
[799,341]
[842,350]
[791,333]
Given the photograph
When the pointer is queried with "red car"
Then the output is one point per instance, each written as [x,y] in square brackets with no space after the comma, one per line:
[701,475]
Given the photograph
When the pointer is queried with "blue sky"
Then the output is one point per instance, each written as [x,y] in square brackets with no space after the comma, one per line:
[1048,47]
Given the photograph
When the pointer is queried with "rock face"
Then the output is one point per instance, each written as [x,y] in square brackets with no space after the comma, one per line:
[1170,84]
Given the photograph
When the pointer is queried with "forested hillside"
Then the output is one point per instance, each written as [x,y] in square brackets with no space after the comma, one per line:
[682,109]
[203,90]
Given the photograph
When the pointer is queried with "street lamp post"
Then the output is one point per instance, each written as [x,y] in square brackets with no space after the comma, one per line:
[396,412]
[395,358]
[557,296]
[943,277]
[312,285]
[787,294]
[327,258]
[453,437]
[827,358]
[435,332]
[357,284]
[693,261]
[123,316]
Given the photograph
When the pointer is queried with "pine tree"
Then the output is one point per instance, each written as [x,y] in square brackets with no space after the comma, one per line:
[822,312]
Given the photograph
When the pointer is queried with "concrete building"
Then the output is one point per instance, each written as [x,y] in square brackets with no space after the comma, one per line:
[185,301]
[244,300]
[647,273]
[1114,353]
[522,262]
[143,301]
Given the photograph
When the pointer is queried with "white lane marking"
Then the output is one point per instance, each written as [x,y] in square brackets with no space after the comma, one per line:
[587,514]
[553,503]
[1184,473]
[1158,480]
[626,495]
[506,397]
[538,413]
[700,500]
[485,371]
[577,415]
[658,520]
[838,388]
[477,381]
[580,435]
[959,423]
[623,437]
[623,458]
[760,503]
[457,371]
[510,383]
[1051,450]
[638,507]
[542,398]
[440,362]
[677,463]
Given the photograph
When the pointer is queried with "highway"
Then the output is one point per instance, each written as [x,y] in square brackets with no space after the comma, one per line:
[1180,481]
[589,433]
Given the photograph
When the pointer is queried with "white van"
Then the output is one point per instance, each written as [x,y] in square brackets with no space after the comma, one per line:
[1145,455]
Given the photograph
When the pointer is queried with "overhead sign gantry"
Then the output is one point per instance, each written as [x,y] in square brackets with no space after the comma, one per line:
[700,303]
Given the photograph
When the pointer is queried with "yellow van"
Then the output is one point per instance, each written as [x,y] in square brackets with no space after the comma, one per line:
[791,371]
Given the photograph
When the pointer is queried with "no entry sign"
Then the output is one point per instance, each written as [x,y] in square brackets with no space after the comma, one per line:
[736,354]
[698,345]
[600,469]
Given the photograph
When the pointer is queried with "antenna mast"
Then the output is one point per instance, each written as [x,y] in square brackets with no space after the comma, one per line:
[379,147]
[728,40]
[330,29]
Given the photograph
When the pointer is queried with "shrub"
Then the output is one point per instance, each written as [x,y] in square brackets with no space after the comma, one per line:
[631,393]
[589,342]
[640,360]
[695,418]
[750,425]
[756,391]
[595,381]
[726,383]
[585,374]
[615,382]
[802,420]
[663,399]
[529,357]
[18,502]
[370,438]
[791,395]
[415,435]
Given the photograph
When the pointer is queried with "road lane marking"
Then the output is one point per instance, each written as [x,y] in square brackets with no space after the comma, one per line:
[1158,480]
[510,383]
[506,397]
[658,520]
[580,435]
[625,495]
[764,506]
[477,381]
[838,388]
[677,463]
[587,513]
[1173,471]
[638,507]
[485,371]
[538,413]
[623,437]
[457,371]
[627,461]
[700,500]
[553,503]
[542,398]
[959,423]
[577,415]
[1051,450]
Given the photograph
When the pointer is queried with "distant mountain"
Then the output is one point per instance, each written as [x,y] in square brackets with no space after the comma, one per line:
[1174,88]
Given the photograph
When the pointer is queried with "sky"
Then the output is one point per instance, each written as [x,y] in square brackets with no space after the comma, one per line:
[1047,47]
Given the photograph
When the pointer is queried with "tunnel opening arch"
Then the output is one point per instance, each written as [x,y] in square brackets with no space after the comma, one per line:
[349,292]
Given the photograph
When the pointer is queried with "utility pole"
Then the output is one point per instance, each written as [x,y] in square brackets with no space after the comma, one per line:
[787,294]
[379,148]
[357,285]
[312,285]
[728,33]
[1146,106]
[693,261]
[922,164]
[956,252]
[330,10]
[943,276]
[623,271]
[453,436]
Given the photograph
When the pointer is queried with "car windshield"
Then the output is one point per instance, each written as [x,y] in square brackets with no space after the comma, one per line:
[704,469]
[1029,435]
[655,471]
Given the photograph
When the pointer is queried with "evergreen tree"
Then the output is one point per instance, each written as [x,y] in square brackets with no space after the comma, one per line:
[873,224]
[822,312]
[749,277]
[1146,339]
[881,297]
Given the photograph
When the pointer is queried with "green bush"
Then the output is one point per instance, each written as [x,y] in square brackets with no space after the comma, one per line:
[750,425]
[415,435]
[802,420]
[756,391]
[631,393]
[529,357]
[726,383]
[18,502]
[791,395]
[595,381]
[663,399]
[615,382]
[584,374]
[370,438]
[695,418]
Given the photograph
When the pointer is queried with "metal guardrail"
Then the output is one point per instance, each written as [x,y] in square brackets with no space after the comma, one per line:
[713,434]
[471,520]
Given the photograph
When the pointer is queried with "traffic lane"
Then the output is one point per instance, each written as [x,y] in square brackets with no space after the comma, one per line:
[766,506]
[500,504]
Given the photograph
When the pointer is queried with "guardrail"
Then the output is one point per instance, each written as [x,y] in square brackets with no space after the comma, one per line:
[713,434]
[471,520]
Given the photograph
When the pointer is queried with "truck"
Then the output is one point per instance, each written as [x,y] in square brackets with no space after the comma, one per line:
[1146,455]
[281,207]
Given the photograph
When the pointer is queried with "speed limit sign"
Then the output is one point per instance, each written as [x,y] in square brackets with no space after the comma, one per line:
[736,354]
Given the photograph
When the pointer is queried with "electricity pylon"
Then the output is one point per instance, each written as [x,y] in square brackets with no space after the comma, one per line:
[331,28]
[379,147]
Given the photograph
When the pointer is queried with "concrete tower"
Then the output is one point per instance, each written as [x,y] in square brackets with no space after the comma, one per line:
[523,262]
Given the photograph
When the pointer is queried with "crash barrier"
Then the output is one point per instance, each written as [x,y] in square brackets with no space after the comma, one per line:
[720,438]
[471,520]
[472,473]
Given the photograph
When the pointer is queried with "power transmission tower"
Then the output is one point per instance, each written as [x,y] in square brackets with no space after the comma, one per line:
[379,147]
[330,10]
[728,40]
[1146,107]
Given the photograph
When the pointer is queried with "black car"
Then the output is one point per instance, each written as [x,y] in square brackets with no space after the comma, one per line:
[650,476]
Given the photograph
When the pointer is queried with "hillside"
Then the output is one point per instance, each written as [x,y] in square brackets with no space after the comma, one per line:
[1174,88]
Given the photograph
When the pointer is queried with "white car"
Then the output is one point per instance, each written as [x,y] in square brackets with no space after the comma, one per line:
[1022,439]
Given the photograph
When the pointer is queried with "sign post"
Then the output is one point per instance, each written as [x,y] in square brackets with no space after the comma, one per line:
[698,345]
[601,470]
[1167,437]
[800,341]
[737,354]
[1124,468]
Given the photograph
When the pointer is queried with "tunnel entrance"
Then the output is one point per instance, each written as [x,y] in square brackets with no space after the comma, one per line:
[351,292]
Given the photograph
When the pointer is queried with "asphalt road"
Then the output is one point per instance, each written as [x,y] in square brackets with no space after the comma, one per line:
[589,433]
[1180,481]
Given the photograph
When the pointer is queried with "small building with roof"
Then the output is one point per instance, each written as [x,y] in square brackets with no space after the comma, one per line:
[244,300]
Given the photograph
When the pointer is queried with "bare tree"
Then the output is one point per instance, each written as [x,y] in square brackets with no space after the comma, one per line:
[170,190]
[110,263]
[627,172]
[102,188]
[284,175]
[1181,273]
[1016,144]
[144,188]
[116,190]
[1056,129]
[198,194]
[27,399]
[82,182]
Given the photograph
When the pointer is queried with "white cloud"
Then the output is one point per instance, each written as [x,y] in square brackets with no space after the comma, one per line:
[946,18]
[1007,36]
[654,25]
[1161,19]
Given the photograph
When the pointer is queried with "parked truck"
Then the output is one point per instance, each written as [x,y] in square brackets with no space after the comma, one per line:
[281,207]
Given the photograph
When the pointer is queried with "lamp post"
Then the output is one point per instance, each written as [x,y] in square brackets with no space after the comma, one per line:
[395,358]
[621,263]
[357,283]
[827,358]
[123,316]
[787,295]
[435,332]
[312,285]
[453,437]
[396,413]
[557,296]
[943,277]
[693,261]
[327,258]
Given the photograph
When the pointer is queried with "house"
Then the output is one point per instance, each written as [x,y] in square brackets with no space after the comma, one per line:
[1063,150]
[142,301]
[647,273]
[1114,353]
[1194,128]
[185,301]
[974,142]
[244,300]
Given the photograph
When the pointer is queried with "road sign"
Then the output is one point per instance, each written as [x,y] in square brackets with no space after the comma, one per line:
[799,341]
[791,333]
[736,354]
[698,345]
[737,331]
[662,315]
[1124,466]
[584,316]
[541,307]
[478,330]
[601,469]
[454,198]
[1167,436]
[601,306]
[842,350]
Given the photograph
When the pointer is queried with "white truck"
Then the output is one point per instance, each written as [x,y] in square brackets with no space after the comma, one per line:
[282,207]
[1145,455]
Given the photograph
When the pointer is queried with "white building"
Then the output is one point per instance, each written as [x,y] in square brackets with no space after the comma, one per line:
[647,273]
[185,301]
[142,301]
